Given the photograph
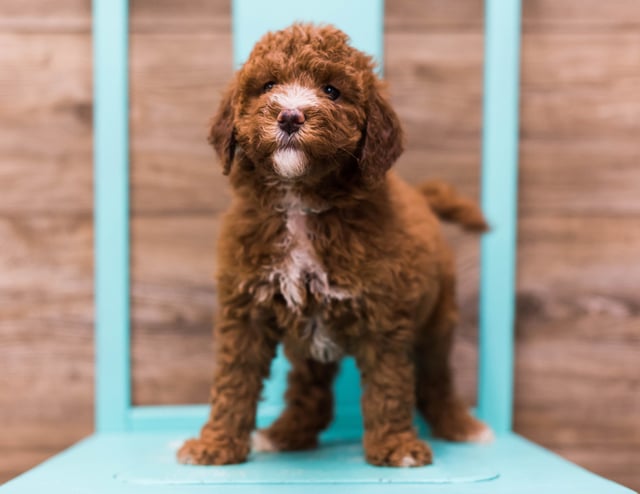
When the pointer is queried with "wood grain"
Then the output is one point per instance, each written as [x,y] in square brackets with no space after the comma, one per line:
[45,124]
[584,16]
[50,16]
[400,15]
[46,337]
[173,97]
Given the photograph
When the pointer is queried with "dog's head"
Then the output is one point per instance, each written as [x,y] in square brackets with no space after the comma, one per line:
[306,104]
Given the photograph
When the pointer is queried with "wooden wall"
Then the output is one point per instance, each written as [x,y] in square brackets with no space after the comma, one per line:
[578,327]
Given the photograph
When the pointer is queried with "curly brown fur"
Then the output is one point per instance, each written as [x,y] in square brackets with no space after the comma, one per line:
[327,251]
[445,201]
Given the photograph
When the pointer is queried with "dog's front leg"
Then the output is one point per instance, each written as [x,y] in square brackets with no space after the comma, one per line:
[387,404]
[244,351]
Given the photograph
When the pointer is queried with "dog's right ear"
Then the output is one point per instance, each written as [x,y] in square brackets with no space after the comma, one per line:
[222,131]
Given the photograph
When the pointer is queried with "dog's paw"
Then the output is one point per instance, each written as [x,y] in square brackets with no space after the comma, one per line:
[199,452]
[399,451]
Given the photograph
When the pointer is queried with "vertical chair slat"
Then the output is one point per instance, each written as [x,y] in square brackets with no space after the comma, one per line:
[499,202]
[111,215]
[362,20]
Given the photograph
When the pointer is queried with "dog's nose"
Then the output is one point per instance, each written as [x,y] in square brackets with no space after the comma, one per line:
[290,120]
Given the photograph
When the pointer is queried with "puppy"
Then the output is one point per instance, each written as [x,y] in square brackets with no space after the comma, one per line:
[326,251]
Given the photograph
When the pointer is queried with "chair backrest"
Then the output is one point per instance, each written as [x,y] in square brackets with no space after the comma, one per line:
[364,21]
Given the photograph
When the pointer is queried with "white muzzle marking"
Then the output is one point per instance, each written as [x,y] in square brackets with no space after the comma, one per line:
[290,162]
[292,96]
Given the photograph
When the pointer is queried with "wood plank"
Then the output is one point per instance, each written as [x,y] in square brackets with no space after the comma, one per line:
[432,15]
[400,16]
[613,462]
[45,124]
[581,176]
[577,338]
[584,16]
[435,83]
[46,314]
[25,444]
[46,336]
[176,82]
[581,86]
[40,16]
[573,85]
[576,385]
[580,254]
[538,15]
[603,61]
[201,16]
[173,300]
[578,341]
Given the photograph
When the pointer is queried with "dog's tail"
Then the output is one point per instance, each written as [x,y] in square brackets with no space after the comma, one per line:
[449,206]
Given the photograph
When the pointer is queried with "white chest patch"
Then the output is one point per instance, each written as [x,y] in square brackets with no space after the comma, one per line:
[301,272]
[301,266]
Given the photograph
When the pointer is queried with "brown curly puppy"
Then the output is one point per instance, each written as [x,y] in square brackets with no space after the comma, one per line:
[326,252]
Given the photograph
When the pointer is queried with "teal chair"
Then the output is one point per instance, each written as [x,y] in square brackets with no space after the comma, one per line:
[133,449]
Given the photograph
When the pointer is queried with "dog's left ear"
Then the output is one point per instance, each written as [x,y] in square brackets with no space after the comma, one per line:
[222,131]
[382,139]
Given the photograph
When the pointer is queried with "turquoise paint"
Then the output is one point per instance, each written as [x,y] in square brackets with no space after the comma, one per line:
[499,203]
[111,188]
[363,21]
[143,463]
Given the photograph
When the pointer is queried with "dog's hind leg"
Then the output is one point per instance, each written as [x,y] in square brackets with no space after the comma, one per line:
[309,407]
[436,398]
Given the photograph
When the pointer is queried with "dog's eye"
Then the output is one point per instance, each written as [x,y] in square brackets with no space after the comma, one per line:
[268,86]
[331,91]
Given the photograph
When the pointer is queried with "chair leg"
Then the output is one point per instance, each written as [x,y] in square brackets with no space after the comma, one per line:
[309,407]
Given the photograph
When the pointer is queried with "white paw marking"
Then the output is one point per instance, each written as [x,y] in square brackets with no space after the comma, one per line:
[175,444]
[484,435]
[301,265]
[261,443]
[408,461]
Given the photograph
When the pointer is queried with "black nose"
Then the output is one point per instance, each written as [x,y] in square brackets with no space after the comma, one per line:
[290,120]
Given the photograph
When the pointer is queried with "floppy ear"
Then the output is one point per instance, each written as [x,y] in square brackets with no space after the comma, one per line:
[382,139]
[222,132]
